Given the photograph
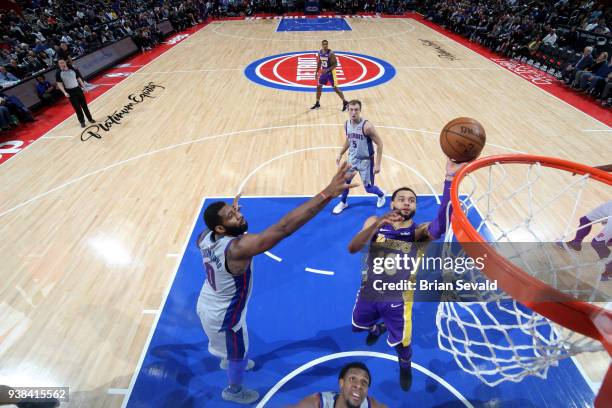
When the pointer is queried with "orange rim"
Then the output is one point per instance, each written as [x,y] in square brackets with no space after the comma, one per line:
[563,309]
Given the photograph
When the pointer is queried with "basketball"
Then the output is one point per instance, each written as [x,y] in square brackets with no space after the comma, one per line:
[462,139]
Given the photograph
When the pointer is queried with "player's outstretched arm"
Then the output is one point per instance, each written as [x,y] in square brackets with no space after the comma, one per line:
[370,227]
[345,147]
[370,131]
[311,401]
[433,230]
[249,245]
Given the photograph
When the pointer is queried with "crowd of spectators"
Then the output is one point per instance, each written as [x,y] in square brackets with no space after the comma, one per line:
[396,7]
[526,30]
[48,30]
[32,41]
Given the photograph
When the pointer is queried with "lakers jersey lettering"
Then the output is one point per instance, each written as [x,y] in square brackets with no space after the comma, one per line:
[389,242]
[324,57]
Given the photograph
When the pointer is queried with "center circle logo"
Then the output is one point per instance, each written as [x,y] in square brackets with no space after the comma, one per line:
[295,71]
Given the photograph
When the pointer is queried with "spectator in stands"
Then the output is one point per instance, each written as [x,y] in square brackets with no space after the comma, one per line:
[6,78]
[17,108]
[551,38]
[46,59]
[14,68]
[601,27]
[6,122]
[606,94]
[70,82]
[589,81]
[600,62]
[5,57]
[585,60]
[63,52]
[33,63]
[46,92]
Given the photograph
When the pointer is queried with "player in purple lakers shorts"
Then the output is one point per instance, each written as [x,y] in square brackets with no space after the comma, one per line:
[326,74]
[394,233]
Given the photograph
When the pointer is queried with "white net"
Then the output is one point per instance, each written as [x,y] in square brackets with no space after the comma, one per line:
[527,212]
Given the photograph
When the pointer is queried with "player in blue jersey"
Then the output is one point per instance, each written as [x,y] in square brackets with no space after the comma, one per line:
[227,253]
[385,236]
[326,74]
[361,136]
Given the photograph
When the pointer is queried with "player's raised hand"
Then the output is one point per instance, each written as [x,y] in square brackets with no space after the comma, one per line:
[235,204]
[390,218]
[338,182]
[452,168]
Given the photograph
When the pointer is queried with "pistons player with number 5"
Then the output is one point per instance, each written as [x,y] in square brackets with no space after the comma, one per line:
[326,74]
[361,136]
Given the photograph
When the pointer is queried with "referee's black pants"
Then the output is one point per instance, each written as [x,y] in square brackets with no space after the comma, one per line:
[77,99]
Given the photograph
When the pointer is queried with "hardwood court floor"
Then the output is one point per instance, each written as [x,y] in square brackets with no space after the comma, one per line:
[90,231]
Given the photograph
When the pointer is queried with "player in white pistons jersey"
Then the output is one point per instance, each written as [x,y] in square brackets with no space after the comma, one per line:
[354,381]
[361,136]
[227,253]
[222,304]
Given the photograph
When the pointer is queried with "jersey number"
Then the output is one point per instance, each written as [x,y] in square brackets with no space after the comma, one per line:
[210,275]
[354,144]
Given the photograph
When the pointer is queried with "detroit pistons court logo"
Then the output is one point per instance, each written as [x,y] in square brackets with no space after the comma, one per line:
[295,71]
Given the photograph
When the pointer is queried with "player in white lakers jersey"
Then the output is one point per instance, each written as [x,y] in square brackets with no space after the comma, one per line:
[354,381]
[361,136]
[228,252]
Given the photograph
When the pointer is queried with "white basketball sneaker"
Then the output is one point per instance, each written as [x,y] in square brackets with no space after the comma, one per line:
[243,396]
[339,207]
[381,201]
[224,364]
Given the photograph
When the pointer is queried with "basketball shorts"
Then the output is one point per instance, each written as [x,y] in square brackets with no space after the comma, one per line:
[365,168]
[328,78]
[397,317]
[232,344]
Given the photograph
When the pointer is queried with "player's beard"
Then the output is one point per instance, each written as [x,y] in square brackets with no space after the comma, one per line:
[238,230]
[408,216]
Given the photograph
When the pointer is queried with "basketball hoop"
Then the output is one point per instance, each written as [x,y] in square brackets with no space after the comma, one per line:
[546,309]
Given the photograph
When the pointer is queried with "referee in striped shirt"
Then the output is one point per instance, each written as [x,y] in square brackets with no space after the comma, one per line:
[70,82]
